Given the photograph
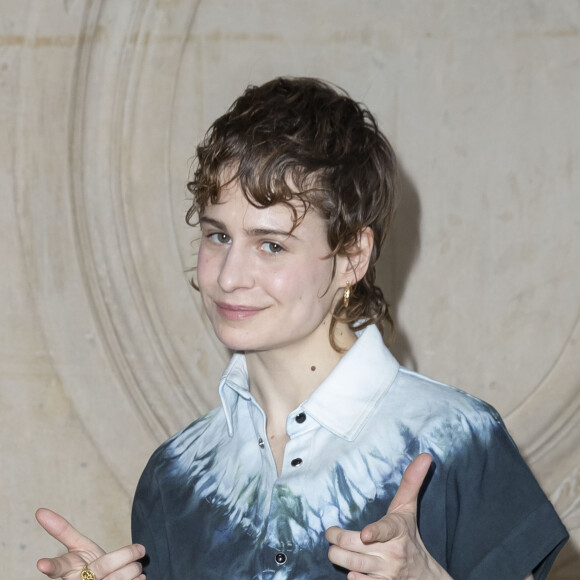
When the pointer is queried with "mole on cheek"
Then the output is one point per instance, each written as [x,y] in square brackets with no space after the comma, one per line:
[313,368]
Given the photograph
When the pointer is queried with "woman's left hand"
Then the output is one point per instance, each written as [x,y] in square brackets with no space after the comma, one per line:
[392,547]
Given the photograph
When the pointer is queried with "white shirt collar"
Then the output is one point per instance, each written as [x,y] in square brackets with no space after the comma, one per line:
[344,400]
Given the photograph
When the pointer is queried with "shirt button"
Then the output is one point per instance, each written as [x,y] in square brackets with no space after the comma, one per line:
[300,418]
[296,462]
[261,443]
[280,558]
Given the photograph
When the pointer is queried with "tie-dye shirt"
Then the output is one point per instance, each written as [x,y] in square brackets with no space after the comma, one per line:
[211,505]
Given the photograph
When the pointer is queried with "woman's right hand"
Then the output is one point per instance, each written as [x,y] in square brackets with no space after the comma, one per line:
[84,552]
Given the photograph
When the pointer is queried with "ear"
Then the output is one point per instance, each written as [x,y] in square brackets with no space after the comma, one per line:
[354,264]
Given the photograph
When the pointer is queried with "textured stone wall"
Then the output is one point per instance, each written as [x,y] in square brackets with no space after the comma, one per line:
[104,349]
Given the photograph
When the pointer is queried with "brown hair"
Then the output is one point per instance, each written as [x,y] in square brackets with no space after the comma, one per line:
[302,138]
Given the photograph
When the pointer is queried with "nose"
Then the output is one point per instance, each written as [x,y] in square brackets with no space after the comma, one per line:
[236,269]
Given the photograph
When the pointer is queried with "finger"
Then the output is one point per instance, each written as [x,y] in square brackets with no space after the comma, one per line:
[65,533]
[410,486]
[356,576]
[122,562]
[353,561]
[129,572]
[404,502]
[123,559]
[344,538]
[348,551]
[66,566]
[386,529]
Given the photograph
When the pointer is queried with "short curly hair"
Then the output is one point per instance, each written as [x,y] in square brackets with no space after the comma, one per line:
[305,139]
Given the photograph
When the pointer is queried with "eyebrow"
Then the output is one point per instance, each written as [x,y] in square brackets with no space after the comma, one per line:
[255,232]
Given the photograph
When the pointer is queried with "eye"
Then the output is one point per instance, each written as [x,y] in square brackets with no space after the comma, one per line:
[272,247]
[220,238]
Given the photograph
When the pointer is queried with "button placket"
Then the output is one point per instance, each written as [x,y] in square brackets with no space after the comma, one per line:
[297,429]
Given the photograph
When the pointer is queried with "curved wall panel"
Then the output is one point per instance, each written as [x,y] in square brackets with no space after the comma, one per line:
[108,351]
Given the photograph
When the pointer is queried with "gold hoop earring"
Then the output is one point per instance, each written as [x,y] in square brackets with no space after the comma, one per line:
[347,293]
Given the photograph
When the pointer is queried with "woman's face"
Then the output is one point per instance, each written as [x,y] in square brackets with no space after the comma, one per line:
[265,286]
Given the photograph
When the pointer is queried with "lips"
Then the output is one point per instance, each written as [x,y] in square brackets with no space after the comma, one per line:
[236,311]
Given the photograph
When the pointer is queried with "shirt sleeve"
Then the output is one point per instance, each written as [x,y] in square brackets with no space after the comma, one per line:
[500,524]
[148,526]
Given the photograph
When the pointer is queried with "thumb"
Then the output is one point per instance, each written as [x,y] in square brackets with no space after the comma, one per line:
[62,567]
[405,501]
[61,530]
[406,497]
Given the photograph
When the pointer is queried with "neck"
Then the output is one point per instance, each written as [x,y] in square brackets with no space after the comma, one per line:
[283,378]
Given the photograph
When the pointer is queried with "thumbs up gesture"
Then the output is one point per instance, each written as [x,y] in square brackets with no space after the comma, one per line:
[390,548]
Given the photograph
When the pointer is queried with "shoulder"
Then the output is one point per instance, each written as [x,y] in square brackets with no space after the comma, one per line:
[198,432]
[444,421]
[432,392]
[427,405]
[188,445]
[480,486]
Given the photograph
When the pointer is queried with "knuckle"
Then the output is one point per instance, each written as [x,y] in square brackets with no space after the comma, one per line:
[399,551]
[354,562]
[342,538]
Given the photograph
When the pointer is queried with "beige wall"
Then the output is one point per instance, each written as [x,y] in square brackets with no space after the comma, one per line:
[104,351]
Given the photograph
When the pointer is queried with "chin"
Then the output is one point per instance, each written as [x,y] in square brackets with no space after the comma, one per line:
[235,340]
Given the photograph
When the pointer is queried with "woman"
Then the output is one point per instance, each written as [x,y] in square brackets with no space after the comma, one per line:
[320,432]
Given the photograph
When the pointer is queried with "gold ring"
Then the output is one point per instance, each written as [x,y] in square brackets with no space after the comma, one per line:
[87,574]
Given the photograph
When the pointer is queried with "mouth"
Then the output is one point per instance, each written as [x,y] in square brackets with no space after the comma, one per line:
[236,311]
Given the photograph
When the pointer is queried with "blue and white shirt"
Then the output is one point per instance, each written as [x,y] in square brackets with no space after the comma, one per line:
[211,505]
